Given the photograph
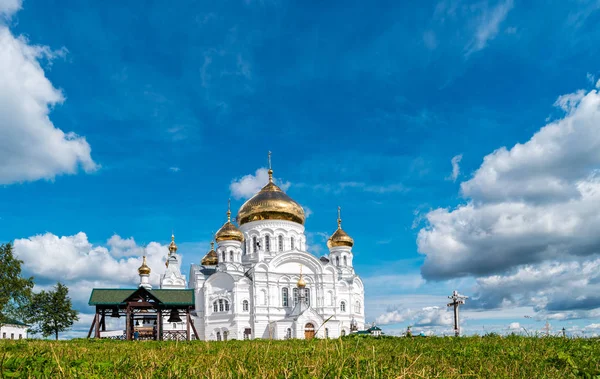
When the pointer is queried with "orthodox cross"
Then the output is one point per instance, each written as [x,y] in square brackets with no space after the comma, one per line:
[269,160]
[456,301]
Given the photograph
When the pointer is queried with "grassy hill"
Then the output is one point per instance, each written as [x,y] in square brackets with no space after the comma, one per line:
[471,357]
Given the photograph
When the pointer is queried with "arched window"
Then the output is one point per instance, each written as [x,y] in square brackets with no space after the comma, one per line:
[280,242]
[307,296]
[295,292]
[329,298]
[225,334]
[223,255]
[345,261]
[343,306]
[326,332]
[292,243]
[231,256]
[288,333]
[254,245]
[285,297]
[337,261]
[357,307]
[264,297]
[343,332]
[218,336]
[221,305]
[267,243]
[245,305]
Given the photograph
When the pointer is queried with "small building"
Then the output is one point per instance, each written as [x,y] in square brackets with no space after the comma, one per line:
[13,330]
[374,331]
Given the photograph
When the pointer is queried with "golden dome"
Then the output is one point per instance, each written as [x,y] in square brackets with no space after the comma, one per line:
[340,237]
[210,259]
[172,246]
[270,203]
[228,231]
[144,269]
[301,283]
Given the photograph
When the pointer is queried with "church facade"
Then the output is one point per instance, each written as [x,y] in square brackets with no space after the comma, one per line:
[259,281]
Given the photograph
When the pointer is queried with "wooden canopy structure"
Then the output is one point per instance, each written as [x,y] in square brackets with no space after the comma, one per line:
[149,306]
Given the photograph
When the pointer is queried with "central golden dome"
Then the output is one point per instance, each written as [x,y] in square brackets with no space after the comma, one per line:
[270,203]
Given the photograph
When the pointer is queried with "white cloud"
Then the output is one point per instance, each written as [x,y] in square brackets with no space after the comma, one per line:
[590,77]
[174,169]
[455,167]
[488,25]
[307,212]
[598,84]
[10,7]
[31,147]
[74,259]
[248,185]
[428,316]
[514,326]
[537,201]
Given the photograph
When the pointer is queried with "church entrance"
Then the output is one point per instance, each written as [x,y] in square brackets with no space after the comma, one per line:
[309,331]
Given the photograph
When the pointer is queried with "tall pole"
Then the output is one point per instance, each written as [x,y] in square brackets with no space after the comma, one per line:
[457,300]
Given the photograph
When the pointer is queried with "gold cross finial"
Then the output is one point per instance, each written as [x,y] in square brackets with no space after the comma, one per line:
[339,216]
[270,169]
[228,210]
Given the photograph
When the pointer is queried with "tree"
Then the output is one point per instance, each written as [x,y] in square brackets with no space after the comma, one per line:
[15,291]
[52,311]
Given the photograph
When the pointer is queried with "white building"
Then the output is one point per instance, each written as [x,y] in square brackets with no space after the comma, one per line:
[261,282]
[13,330]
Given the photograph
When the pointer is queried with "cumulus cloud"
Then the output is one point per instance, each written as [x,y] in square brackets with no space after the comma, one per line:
[455,167]
[10,7]
[428,316]
[248,185]
[51,258]
[31,147]
[534,202]
[488,24]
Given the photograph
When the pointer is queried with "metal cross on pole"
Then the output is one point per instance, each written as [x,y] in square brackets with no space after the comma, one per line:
[457,300]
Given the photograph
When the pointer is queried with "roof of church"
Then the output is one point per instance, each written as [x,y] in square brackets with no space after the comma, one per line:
[115,296]
[12,321]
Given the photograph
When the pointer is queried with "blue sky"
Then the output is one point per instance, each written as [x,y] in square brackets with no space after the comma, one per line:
[363,104]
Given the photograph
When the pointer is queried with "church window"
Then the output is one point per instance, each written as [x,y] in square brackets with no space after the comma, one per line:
[223,256]
[292,243]
[221,305]
[280,242]
[343,332]
[245,305]
[254,244]
[20,336]
[12,336]
[343,306]
[357,307]
[231,256]
[345,261]
[218,336]
[225,334]
[295,292]
[4,335]
[326,332]
[284,297]
[289,333]
[329,298]
[267,243]
[337,261]
[307,296]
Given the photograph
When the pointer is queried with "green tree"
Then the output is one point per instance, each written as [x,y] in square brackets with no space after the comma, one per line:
[52,311]
[15,291]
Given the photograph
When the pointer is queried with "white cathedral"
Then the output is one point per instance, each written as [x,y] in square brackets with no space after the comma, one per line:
[261,282]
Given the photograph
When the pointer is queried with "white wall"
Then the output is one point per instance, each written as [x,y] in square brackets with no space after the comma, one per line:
[13,332]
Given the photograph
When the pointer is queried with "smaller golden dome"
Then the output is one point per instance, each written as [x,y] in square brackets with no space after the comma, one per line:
[210,259]
[144,269]
[340,237]
[301,283]
[228,231]
[172,245]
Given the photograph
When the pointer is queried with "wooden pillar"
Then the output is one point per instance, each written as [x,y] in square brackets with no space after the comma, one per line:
[193,327]
[188,335]
[159,325]
[92,326]
[103,320]
[128,324]
[97,324]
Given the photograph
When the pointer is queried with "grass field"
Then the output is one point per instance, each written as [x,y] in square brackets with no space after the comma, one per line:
[431,357]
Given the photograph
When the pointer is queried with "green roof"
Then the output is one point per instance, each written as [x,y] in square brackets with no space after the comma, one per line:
[117,296]
[12,321]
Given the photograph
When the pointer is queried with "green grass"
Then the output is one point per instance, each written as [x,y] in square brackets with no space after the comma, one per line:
[432,357]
